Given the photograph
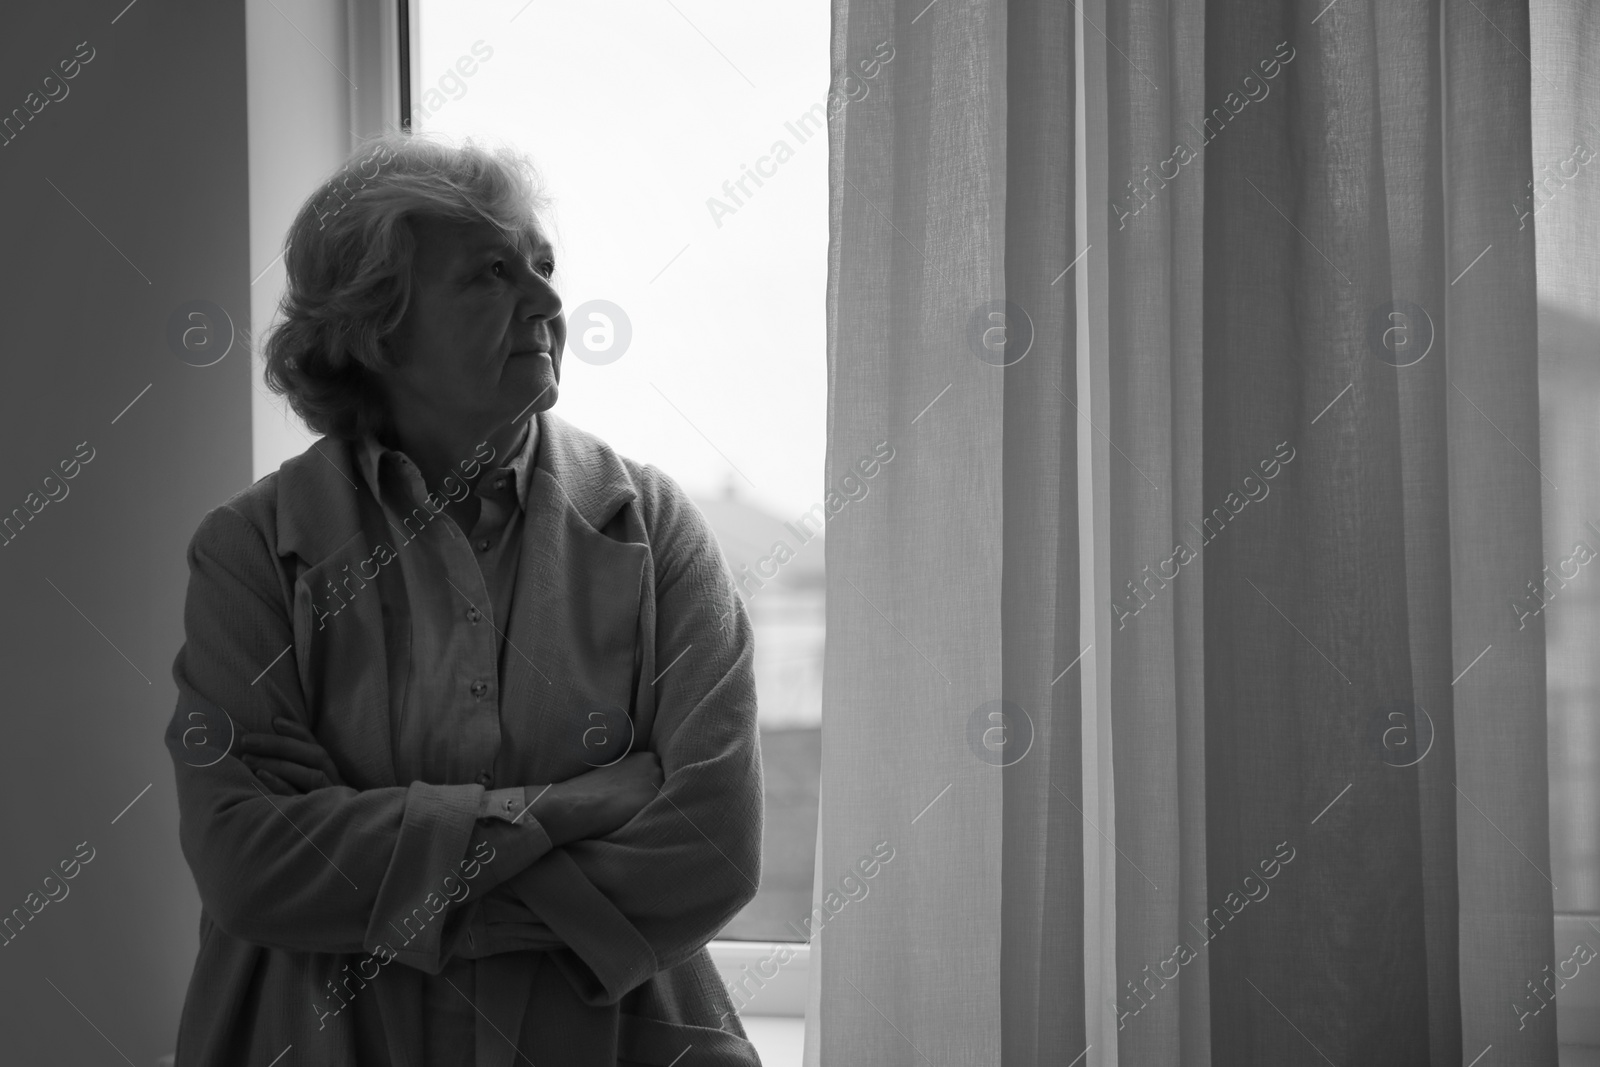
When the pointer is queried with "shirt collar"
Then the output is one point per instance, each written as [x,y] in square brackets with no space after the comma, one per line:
[520,464]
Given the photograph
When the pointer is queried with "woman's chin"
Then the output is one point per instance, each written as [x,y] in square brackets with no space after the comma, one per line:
[542,398]
[534,391]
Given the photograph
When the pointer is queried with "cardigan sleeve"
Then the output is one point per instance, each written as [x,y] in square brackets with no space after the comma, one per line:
[649,895]
[333,870]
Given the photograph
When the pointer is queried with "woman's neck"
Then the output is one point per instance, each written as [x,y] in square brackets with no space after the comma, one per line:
[439,447]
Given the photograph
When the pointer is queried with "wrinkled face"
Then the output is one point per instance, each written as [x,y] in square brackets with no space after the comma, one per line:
[483,335]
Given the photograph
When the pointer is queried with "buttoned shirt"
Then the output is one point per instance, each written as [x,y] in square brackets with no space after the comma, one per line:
[445,711]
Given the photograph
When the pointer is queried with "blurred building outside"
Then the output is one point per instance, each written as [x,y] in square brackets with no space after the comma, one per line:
[787,613]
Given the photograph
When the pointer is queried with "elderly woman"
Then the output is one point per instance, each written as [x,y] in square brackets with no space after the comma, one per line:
[465,741]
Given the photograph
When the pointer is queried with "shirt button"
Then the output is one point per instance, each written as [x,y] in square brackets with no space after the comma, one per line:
[479,688]
[485,778]
[500,483]
[473,615]
[483,545]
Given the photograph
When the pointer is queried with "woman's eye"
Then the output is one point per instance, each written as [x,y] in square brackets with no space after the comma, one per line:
[501,269]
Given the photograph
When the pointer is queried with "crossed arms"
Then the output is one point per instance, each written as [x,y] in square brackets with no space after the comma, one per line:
[626,880]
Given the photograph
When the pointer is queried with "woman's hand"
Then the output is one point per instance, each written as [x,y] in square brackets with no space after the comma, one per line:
[289,761]
[596,802]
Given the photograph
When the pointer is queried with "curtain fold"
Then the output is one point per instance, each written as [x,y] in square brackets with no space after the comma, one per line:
[1172,653]
[1040,764]
[1154,99]
[1307,607]
[1501,801]
[916,243]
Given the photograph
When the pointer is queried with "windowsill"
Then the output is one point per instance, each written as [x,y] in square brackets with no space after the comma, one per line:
[1578,1004]
[781,1040]
[759,980]
[773,992]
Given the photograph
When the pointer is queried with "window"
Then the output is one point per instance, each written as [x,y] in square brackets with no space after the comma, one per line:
[692,261]
[1562,204]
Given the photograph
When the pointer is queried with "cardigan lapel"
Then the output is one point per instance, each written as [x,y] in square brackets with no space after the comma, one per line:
[570,666]
[341,561]
[574,636]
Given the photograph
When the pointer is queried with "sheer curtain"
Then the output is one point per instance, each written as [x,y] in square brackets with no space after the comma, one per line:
[1171,656]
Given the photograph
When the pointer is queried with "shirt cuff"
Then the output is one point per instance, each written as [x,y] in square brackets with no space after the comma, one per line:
[505,804]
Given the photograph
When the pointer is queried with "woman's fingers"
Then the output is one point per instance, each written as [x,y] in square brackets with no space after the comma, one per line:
[276,784]
[291,728]
[649,765]
[306,753]
[299,732]
[282,747]
[304,779]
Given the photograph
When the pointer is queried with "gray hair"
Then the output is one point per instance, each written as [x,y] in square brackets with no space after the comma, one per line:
[348,256]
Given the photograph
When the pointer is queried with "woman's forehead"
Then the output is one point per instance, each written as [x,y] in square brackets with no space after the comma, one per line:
[483,236]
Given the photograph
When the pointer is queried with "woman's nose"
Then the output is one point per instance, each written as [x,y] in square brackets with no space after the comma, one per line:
[540,299]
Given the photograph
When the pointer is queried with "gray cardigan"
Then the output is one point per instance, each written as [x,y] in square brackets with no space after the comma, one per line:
[326,898]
